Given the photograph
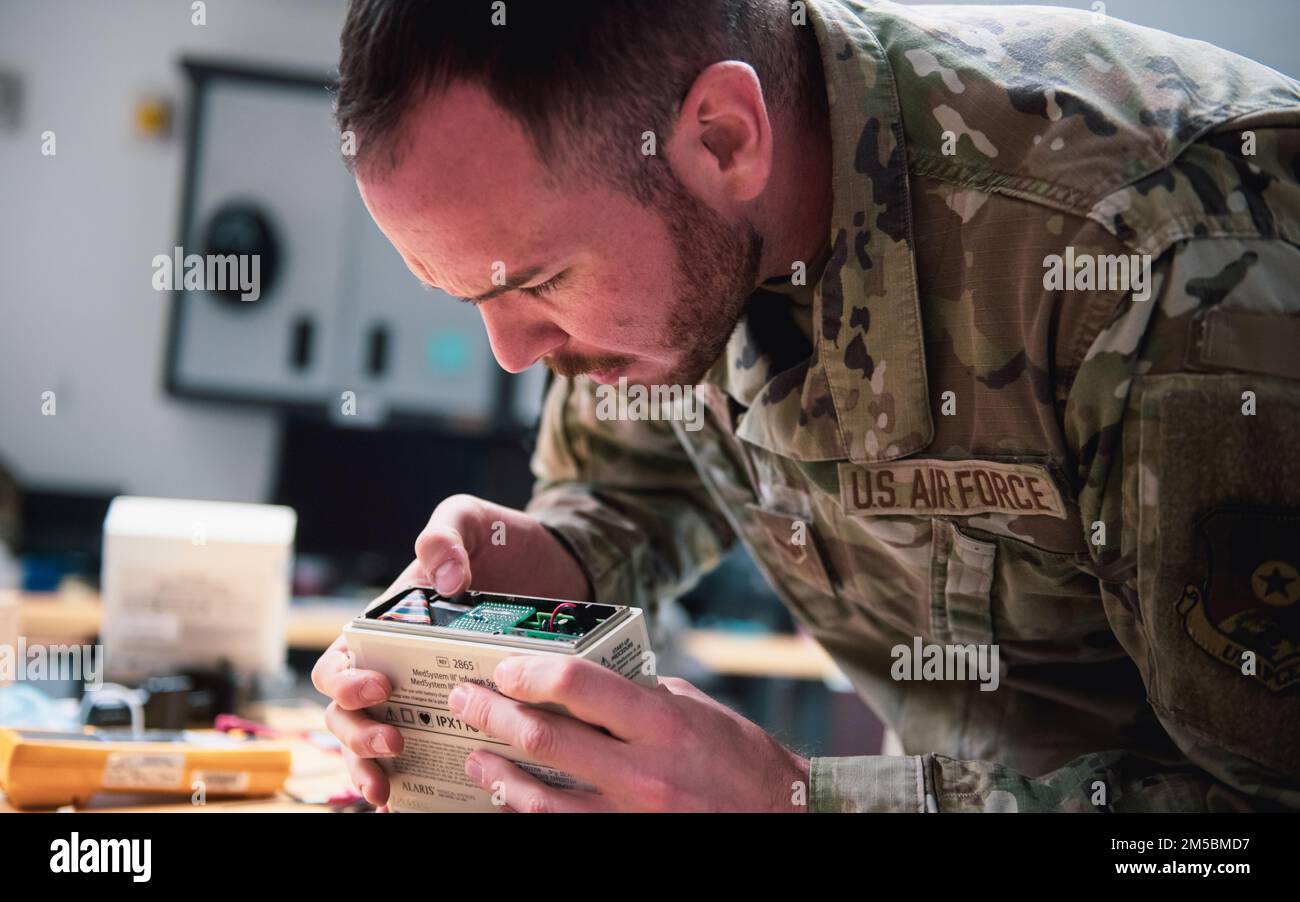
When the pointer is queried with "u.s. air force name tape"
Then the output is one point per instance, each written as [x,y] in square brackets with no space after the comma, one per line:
[957,487]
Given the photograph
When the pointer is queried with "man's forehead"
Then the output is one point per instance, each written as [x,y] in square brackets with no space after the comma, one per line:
[467,192]
[456,150]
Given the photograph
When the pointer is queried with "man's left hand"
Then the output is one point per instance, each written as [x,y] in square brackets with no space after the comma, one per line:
[671,748]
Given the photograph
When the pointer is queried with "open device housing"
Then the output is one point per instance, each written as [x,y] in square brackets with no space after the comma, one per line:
[464,638]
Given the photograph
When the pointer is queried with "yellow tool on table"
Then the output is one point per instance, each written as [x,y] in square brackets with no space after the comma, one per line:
[49,769]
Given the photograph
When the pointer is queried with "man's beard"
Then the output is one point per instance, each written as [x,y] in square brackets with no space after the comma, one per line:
[717,271]
[717,267]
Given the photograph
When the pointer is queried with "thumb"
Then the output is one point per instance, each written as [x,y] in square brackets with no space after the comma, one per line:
[443,548]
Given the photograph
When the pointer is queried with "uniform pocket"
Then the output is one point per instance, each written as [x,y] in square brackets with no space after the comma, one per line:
[961,580]
[786,548]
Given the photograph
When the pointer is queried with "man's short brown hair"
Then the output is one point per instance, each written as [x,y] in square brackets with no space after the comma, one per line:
[585,78]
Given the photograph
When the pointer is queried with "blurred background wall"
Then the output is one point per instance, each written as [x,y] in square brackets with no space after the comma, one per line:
[80,317]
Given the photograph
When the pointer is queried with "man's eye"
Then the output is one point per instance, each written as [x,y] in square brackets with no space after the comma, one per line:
[545,288]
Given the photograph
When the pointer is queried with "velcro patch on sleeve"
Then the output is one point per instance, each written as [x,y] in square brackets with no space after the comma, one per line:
[954,487]
[1248,341]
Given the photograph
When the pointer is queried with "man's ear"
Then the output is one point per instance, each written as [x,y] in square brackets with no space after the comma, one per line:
[721,145]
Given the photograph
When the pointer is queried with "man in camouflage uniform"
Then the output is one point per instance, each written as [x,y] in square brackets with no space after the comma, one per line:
[956,431]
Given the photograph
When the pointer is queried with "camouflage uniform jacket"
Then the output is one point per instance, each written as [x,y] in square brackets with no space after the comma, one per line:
[945,440]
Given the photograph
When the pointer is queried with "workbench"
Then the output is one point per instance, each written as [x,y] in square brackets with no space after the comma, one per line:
[317,774]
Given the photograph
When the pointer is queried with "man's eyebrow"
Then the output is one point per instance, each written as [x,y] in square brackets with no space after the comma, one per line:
[523,277]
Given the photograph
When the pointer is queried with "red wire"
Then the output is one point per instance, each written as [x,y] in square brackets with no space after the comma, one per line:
[567,604]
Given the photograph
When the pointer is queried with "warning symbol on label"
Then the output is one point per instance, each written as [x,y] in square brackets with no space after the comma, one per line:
[390,717]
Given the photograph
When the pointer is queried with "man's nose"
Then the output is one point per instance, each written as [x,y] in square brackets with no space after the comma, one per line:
[518,340]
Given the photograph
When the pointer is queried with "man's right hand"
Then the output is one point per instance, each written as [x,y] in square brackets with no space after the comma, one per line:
[467,543]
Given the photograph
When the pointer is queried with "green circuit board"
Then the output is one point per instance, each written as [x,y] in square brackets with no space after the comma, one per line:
[492,617]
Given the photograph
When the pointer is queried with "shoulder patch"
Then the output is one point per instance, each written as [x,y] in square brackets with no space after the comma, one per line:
[1247,613]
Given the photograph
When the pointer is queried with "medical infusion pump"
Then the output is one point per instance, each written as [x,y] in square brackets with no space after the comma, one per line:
[426,643]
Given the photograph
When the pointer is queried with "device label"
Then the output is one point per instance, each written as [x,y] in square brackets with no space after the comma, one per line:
[625,658]
[233,781]
[552,777]
[141,770]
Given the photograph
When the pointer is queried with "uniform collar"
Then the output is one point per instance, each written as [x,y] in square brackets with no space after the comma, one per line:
[859,392]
